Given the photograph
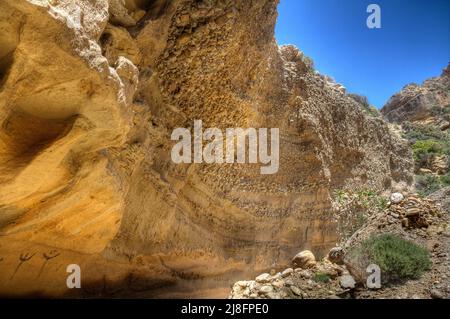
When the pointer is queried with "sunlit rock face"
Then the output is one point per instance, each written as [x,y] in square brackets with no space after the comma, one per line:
[90,94]
[428,103]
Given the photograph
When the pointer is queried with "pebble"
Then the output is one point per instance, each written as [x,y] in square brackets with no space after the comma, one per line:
[278,283]
[287,272]
[436,294]
[288,282]
[304,273]
[296,291]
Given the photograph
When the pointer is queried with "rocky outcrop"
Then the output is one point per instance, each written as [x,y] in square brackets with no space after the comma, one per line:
[443,197]
[416,220]
[304,259]
[298,284]
[428,103]
[90,93]
[423,112]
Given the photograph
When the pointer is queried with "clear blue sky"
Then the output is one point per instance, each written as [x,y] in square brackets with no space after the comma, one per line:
[412,45]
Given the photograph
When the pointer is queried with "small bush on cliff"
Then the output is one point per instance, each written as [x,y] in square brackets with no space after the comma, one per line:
[445,180]
[397,258]
[351,209]
[428,143]
[363,101]
[320,277]
[424,149]
[373,111]
[440,111]
[309,62]
[446,109]
[417,132]
[427,184]
[427,139]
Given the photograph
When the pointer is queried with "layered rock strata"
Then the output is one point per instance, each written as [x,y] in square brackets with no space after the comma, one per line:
[90,94]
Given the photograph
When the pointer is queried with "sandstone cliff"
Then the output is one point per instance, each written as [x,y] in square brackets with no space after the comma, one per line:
[423,112]
[90,93]
[428,103]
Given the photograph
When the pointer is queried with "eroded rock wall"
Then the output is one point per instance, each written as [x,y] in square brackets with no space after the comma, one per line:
[426,103]
[91,91]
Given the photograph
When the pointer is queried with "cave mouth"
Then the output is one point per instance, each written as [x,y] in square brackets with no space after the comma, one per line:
[23,135]
[153,10]
[6,62]
[10,26]
[133,5]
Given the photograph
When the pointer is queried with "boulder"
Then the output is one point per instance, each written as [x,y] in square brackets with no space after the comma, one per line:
[304,260]
[436,294]
[396,198]
[336,255]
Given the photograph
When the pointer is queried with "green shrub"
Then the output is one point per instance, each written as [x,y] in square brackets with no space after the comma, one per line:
[428,142]
[436,110]
[381,203]
[368,198]
[397,258]
[365,196]
[341,196]
[446,109]
[426,148]
[373,111]
[320,277]
[309,62]
[352,208]
[359,222]
[445,179]
[427,139]
[427,184]
[415,132]
[363,101]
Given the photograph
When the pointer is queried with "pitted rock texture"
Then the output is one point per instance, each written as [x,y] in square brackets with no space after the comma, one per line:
[428,103]
[90,94]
